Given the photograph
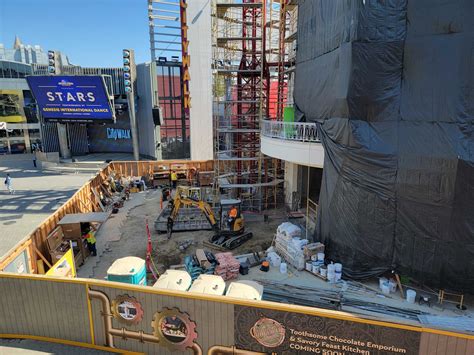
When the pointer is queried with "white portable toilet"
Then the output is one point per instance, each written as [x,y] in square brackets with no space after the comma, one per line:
[249,290]
[208,284]
[178,280]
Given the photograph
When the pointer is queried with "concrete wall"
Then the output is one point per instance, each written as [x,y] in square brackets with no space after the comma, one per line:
[148,134]
[302,153]
[200,51]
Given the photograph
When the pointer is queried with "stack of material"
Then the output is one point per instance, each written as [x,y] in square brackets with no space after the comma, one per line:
[228,266]
[289,245]
[313,249]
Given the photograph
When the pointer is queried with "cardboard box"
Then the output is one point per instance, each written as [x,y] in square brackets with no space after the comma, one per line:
[71,231]
[312,249]
[201,256]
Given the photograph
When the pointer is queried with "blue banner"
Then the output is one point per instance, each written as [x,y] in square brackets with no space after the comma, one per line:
[71,98]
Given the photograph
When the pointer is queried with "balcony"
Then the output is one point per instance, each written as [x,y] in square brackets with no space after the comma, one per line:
[295,142]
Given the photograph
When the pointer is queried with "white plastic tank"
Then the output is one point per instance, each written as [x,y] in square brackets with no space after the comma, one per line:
[178,280]
[411,296]
[283,268]
[208,284]
[249,290]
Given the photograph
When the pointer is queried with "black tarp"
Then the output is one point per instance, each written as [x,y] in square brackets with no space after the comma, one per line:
[391,85]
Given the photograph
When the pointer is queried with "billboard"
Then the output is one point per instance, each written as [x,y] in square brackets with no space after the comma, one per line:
[11,106]
[71,98]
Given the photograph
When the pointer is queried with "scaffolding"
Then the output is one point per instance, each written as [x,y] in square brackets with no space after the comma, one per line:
[243,51]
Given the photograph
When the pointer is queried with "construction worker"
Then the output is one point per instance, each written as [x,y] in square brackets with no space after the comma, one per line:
[232,217]
[89,236]
[174,179]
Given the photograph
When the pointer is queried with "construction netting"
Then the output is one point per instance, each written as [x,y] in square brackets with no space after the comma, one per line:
[390,84]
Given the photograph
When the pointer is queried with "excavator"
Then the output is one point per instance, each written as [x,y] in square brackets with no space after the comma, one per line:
[226,235]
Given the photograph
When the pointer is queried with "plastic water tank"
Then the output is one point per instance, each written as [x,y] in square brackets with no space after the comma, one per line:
[178,280]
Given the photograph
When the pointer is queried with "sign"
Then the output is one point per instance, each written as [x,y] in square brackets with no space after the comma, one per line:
[277,332]
[185,55]
[117,133]
[71,98]
[11,106]
[3,125]
[64,266]
[19,265]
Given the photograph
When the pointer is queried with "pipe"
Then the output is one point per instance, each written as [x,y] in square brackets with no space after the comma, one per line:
[196,349]
[136,335]
[230,350]
[107,316]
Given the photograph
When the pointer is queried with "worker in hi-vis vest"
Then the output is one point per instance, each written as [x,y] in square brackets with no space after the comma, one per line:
[174,179]
[232,217]
[89,236]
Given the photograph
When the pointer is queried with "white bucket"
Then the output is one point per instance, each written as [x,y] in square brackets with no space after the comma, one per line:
[386,289]
[382,280]
[283,268]
[331,269]
[315,268]
[331,277]
[393,285]
[411,296]
[338,267]
[323,271]
[309,266]
[321,256]
[314,257]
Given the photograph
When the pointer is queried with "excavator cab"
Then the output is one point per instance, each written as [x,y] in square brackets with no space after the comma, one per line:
[231,219]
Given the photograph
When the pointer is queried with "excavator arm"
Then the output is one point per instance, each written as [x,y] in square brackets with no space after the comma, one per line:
[180,201]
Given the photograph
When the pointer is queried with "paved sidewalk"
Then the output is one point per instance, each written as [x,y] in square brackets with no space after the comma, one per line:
[37,194]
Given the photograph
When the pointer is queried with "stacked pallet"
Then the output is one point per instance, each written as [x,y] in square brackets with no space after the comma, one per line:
[290,246]
[227,267]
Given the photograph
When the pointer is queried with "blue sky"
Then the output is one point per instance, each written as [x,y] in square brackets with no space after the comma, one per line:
[90,32]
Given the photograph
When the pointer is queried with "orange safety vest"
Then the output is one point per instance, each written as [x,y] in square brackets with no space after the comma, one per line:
[90,237]
[233,213]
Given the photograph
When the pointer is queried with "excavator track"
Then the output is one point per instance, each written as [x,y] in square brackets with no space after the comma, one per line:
[232,242]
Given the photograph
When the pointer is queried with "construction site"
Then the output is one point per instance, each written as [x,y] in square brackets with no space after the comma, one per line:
[326,206]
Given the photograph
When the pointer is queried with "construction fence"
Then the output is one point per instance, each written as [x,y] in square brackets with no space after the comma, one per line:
[140,319]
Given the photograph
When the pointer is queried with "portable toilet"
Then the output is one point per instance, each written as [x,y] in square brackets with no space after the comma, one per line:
[249,290]
[208,284]
[129,270]
[174,280]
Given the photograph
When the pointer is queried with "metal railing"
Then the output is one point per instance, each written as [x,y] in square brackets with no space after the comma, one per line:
[293,131]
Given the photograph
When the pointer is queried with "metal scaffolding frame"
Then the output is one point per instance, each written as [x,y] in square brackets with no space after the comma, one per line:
[242,48]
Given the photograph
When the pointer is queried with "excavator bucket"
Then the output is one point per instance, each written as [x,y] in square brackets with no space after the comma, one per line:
[169,228]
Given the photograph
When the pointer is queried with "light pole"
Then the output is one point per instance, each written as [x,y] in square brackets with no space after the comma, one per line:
[129,76]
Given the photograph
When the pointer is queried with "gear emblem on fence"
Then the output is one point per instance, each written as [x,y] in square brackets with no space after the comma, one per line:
[126,309]
[174,329]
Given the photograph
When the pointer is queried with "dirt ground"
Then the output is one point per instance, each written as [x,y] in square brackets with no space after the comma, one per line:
[132,241]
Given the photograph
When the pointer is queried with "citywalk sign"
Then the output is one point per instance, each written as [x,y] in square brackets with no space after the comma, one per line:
[185,54]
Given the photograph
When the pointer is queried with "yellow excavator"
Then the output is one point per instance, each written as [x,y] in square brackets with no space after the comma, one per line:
[229,230]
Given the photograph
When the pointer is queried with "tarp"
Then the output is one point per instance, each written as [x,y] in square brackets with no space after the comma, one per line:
[391,86]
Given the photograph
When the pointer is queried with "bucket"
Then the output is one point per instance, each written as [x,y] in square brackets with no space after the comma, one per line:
[331,276]
[331,269]
[314,257]
[309,266]
[393,285]
[323,271]
[338,267]
[411,296]
[338,275]
[386,289]
[321,256]
[315,268]
[382,280]
[283,268]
